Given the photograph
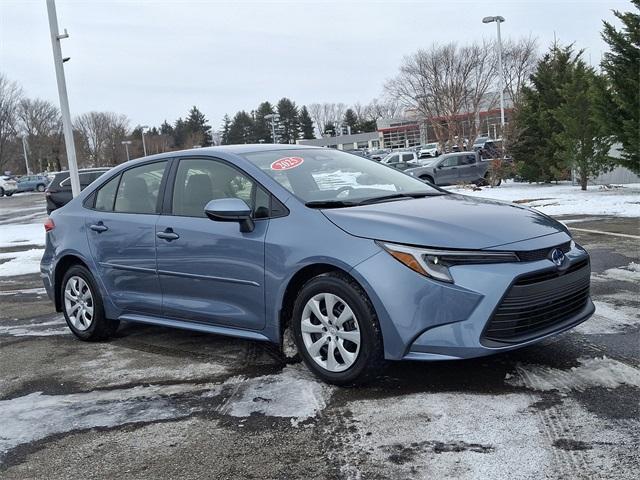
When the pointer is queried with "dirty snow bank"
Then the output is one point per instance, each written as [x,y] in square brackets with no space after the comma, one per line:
[609,318]
[592,372]
[20,263]
[630,273]
[564,198]
[13,235]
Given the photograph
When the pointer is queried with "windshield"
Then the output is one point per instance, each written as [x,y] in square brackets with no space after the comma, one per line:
[323,175]
[430,145]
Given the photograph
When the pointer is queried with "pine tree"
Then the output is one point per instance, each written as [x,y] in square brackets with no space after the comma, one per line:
[241,129]
[351,120]
[226,126]
[535,145]
[198,127]
[306,124]
[621,94]
[582,141]
[262,126]
[180,133]
[289,124]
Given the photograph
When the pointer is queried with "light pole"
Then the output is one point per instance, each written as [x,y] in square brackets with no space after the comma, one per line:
[274,117]
[26,159]
[498,19]
[126,144]
[64,100]
[144,146]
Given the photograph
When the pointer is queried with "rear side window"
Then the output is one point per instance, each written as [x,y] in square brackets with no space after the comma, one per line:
[139,188]
[106,196]
[407,157]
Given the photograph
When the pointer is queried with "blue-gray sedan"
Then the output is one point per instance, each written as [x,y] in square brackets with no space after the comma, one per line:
[352,261]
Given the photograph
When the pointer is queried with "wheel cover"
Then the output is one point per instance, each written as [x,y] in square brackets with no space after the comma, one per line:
[78,303]
[330,332]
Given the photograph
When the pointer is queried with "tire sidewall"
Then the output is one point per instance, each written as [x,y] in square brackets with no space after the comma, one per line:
[363,313]
[98,306]
[40,188]
[1,192]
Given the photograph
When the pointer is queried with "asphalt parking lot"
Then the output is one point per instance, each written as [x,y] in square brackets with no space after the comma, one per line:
[160,403]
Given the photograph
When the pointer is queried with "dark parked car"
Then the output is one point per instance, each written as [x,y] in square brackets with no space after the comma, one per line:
[59,190]
[453,168]
[30,183]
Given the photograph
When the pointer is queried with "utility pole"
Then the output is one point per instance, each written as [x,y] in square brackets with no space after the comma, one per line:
[144,146]
[498,19]
[273,117]
[62,93]
[126,144]
[24,150]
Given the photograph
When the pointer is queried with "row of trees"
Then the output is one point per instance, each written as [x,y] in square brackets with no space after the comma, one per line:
[571,114]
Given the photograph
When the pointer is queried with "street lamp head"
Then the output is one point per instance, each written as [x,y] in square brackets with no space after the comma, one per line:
[126,142]
[497,18]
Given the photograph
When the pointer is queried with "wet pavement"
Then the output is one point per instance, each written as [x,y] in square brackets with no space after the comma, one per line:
[161,403]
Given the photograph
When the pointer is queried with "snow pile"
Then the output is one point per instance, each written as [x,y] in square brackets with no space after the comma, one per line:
[20,263]
[630,273]
[44,329]
[592,372]
[292,393]
[19,235]
[564,198]
[609,318]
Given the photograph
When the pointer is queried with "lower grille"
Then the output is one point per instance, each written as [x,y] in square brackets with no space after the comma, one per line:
[539,303]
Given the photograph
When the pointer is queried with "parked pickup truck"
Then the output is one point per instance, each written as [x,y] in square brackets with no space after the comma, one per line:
[452,168]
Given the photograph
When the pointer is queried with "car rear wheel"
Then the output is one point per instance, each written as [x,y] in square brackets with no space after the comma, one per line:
[336,330]
[40,188]
[426,178]
[8,194]
[1,192]
[83,308]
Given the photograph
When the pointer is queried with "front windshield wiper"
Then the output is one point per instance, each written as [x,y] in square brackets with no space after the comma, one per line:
[397,196]
[329,204]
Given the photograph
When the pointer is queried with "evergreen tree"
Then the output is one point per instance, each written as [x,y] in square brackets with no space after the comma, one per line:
[620,97]
[226,126]
[306,124]
[241,129]
[198,127]
[289,124]
[582,141]
[330,129]
[180,133]
[166,128]
[351,120]
[535,145]
[262,126]
[367,126]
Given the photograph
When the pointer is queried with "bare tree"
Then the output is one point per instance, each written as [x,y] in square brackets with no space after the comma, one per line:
[41,124]
[10,95]
[101,135]
[519,60]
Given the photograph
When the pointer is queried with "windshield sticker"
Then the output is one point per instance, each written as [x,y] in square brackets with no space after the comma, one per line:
[287,163]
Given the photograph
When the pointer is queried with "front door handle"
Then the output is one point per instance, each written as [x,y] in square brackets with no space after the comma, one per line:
[168,235]
[99,227]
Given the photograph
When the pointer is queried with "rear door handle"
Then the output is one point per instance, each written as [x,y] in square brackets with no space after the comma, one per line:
[99,227]
[168,235]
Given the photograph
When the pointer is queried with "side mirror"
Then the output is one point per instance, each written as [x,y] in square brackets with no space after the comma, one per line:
[231,210]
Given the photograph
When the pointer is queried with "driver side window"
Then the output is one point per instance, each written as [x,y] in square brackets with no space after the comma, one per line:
[198,181]
[450,162]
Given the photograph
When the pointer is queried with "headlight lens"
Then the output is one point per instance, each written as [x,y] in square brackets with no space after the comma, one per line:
[435,263]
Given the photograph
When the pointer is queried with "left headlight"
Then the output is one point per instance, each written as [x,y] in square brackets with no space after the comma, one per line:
[435,263]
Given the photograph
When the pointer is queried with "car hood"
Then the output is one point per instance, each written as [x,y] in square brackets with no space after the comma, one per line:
[446,221]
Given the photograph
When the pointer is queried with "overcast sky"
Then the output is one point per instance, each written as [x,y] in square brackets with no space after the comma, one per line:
[153,60]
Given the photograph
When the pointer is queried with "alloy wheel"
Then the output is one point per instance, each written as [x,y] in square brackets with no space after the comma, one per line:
[330,332]
[78,303]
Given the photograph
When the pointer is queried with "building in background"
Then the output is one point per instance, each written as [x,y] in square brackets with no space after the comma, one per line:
[355,141]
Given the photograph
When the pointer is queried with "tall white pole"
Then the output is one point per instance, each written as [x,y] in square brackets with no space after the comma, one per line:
[26,159]
[501,78]
[64,100]
[144,146]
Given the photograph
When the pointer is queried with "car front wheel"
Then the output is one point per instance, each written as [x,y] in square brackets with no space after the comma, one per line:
[83,308]
[336,330]
[40,188]
[1,192]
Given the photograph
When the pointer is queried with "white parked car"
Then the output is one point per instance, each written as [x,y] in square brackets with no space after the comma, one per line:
[8,186]
[400,157]
[429,150]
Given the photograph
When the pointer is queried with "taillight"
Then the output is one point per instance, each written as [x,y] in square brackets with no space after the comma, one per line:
[49,225]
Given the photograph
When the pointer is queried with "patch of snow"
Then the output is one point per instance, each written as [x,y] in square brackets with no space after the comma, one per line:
[36,416]
[23,291]
[630,273]
[564,198]
[609,318]
[14,235]
[292,393]
[20,263]
[592,372]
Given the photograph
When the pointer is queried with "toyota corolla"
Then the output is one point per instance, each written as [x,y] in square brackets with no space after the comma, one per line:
[354,262]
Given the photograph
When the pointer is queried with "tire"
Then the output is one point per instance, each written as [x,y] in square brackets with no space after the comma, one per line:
[40,188]
[366,358]
[427,178]
[1,192]
[89,328]
[8,194]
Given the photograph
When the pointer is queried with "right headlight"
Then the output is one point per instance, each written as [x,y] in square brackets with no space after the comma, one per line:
[434,263]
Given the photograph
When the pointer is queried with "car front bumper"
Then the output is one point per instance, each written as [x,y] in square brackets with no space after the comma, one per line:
[423,319]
